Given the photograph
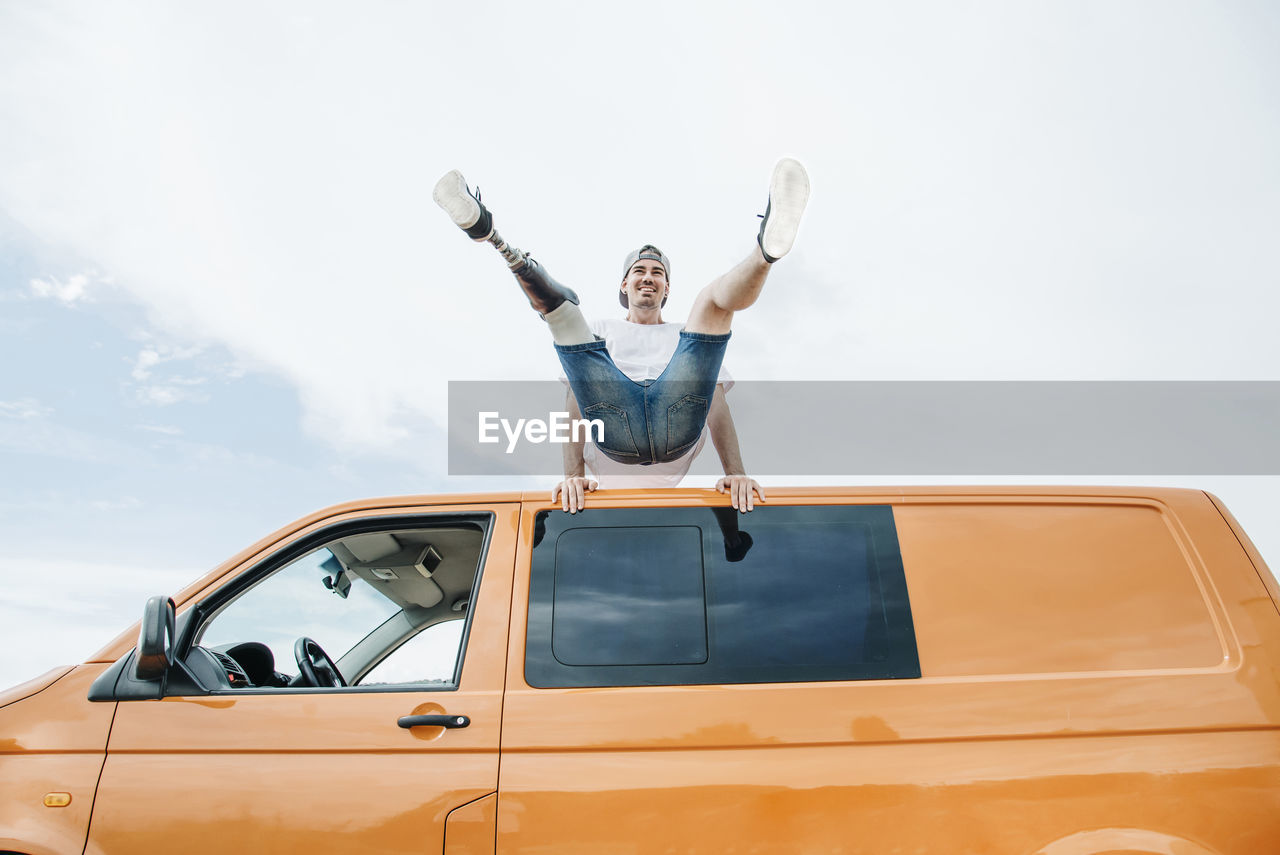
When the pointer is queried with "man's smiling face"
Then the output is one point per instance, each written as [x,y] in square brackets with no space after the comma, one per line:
[646,284]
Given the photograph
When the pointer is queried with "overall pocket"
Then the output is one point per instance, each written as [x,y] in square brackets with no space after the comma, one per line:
[685,420]
[618,441]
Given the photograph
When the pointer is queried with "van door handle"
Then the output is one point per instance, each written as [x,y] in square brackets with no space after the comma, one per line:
[450,721]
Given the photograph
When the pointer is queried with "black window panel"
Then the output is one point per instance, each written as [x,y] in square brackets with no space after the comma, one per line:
[631,614]
[662,596]
[799,599]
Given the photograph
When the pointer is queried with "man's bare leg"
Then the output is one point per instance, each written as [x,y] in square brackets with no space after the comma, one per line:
[736,290]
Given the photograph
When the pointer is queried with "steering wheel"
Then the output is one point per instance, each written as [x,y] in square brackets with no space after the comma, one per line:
[314,664]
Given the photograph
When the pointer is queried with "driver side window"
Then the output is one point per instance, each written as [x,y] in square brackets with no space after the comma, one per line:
[366,608]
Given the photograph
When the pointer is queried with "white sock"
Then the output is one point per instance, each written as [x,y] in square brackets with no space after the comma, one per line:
[568,326]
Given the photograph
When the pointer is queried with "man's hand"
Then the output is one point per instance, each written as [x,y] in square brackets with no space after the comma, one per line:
[740,489]
[572,493]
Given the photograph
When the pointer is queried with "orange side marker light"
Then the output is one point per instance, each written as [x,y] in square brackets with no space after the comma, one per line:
[57,799]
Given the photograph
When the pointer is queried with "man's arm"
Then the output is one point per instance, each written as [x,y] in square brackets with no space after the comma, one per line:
[572,491]
[725,438]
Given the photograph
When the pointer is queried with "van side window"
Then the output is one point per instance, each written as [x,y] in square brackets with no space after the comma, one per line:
[372,604]
[610,607]
[673,596]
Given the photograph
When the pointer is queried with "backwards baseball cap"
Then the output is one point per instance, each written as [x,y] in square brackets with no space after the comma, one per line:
[652,253]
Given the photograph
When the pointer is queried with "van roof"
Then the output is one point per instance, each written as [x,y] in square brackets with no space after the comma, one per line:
[684,494]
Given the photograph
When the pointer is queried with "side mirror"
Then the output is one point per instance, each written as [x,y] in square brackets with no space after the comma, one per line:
[155,639]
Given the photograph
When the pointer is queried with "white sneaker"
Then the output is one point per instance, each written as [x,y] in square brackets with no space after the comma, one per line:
[463,206]
[788,194]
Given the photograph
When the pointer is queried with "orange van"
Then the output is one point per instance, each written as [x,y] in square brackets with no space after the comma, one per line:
[1063,671]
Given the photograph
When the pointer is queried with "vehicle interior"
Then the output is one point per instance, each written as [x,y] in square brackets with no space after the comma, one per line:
[333,616]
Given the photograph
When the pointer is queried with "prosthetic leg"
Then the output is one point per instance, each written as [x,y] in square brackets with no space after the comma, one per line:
[469,214]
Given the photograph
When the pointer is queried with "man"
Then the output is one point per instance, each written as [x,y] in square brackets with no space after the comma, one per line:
[657,388]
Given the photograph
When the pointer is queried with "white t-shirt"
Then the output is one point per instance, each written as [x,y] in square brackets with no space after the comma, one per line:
[642,351]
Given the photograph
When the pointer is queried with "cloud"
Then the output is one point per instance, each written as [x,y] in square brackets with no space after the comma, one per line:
[167,430]
[153,355]
[174,392]
[147,359]
[74,290]
[173,388]
[24,408]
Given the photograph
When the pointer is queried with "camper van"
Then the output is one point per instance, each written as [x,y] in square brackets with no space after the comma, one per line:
[996,671]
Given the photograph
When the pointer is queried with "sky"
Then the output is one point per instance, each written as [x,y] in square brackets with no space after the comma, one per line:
[227,300]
